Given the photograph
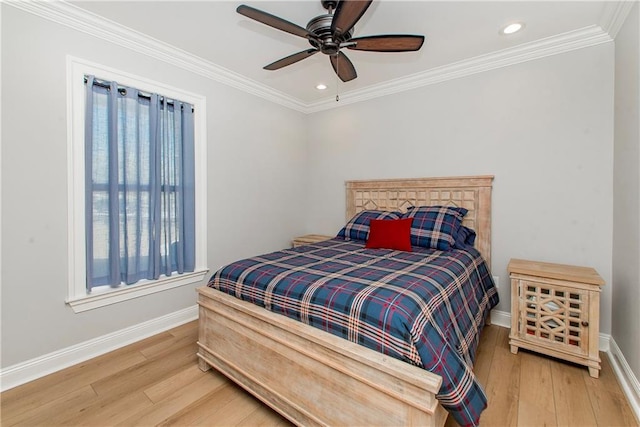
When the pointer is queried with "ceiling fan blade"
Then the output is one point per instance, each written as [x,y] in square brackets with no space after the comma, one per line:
[272,21]
[291,59]
[388,43]
[343,67]
[347,13]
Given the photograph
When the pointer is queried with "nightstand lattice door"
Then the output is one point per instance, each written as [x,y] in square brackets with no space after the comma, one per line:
[554,316]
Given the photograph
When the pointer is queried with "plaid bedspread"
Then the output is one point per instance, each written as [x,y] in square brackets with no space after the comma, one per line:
[425,307]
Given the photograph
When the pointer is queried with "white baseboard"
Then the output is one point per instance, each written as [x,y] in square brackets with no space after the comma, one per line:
[626,377]
[501,318]
[38,367]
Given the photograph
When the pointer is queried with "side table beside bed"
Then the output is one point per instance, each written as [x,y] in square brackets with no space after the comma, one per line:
[555,310]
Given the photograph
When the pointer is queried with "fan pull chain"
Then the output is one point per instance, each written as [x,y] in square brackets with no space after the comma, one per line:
[337,72]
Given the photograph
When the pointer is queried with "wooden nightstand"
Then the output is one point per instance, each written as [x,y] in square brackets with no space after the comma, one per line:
[308,239]
[555,310]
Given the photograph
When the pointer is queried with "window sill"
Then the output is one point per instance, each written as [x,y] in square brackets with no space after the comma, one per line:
[90,302]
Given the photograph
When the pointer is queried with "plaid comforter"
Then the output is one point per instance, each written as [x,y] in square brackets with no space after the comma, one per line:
[425,307]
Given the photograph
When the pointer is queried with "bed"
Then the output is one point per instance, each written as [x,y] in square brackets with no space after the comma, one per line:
[377,376]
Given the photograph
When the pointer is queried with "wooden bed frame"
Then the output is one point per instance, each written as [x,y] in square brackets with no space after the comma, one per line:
[314,378]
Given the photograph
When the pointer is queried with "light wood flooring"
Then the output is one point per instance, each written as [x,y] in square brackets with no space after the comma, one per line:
[157,382]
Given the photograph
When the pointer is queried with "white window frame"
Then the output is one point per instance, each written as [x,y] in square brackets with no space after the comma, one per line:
[78,298]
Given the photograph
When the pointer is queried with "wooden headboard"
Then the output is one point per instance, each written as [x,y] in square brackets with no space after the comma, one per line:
[470,192]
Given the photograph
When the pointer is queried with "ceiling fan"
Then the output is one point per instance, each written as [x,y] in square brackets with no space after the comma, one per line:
[331,32]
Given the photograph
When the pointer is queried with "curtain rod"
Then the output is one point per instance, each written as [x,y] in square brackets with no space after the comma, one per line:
[123,91]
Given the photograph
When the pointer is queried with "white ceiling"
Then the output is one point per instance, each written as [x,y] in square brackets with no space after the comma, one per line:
[455,31]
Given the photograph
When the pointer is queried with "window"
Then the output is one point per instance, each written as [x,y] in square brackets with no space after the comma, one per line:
[136,185]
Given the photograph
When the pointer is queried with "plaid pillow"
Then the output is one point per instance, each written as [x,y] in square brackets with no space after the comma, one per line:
[435,227]
[358,227]
[465,237]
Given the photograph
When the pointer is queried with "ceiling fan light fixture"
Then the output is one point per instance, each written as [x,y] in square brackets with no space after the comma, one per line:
[511,28]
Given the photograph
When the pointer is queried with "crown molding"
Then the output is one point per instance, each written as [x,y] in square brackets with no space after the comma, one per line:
[614,15]
[66,14]
[578,39]
[79,19]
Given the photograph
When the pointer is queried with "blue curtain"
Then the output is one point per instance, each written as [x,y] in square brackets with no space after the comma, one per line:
[139,181]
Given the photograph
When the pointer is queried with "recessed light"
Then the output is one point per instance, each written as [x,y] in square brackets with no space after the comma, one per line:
[514,27]
[321,86]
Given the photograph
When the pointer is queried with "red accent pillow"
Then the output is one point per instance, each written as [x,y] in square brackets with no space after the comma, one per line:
[390,234]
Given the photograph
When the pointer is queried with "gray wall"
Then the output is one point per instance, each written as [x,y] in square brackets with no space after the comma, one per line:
[626,200]
[544,129]
[256,156]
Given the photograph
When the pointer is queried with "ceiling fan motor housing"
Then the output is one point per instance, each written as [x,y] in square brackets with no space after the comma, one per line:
[320,26]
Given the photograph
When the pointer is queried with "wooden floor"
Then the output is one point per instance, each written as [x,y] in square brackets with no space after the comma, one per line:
[157,382]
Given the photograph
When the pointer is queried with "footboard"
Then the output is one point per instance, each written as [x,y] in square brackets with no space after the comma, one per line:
[309,376]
